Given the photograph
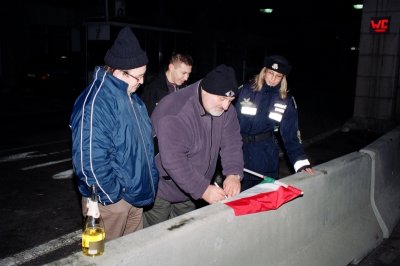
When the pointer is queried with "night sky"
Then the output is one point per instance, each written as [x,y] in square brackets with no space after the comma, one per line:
[316,39]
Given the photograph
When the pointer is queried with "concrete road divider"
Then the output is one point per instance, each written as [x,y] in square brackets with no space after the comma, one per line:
[385,179]
[335,222]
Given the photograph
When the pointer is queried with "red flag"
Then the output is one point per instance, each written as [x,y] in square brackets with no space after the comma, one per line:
[265,201]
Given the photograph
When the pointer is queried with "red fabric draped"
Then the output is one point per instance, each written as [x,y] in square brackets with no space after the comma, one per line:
[264,201]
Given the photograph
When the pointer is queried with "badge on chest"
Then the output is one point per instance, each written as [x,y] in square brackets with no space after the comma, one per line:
[248,107]
[277,113]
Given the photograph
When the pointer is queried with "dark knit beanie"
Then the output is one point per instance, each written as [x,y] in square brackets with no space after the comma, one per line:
[277,63]
[221,81]
[126,52]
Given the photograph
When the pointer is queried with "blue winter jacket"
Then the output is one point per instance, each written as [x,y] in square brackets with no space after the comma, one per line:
[112,144]
[273,115]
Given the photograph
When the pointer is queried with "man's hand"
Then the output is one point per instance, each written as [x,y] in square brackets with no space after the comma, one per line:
[213,194]
[230,188]
[232,185]
[309,171]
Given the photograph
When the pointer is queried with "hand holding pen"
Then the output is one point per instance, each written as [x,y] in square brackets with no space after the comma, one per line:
[216,184]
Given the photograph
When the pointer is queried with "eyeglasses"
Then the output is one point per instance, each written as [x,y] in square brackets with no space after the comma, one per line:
[136,78]
[275,75]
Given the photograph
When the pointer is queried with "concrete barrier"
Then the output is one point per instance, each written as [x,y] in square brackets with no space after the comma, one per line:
[385,179]
[333,223]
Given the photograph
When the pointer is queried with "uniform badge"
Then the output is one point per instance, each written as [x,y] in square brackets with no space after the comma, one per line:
[248,107]
[294,103]
[299,136]
[277,113]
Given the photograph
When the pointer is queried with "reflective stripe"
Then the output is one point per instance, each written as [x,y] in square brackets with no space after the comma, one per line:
[248,110]
[275,116]
[279,105]
[279,110]
[300,164]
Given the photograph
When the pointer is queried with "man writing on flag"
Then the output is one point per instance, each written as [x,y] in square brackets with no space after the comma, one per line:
[190,136]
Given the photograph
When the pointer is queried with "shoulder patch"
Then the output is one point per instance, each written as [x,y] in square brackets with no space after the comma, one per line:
[294,102]
[299,136]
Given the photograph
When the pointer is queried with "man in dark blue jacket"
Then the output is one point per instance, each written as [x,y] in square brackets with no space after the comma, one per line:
[112,144]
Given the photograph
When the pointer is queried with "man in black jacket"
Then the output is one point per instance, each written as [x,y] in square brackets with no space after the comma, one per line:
[167,81]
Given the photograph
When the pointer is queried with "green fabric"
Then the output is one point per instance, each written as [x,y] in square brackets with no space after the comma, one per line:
[268,179]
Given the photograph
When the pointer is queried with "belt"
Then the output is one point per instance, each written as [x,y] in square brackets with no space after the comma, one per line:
[259,137]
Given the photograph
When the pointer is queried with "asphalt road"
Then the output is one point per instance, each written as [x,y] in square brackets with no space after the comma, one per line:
[41,216]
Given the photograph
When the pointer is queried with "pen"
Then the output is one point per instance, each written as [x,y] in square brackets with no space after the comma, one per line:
[216,184]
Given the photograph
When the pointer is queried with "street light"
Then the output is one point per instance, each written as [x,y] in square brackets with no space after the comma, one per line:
[266,10]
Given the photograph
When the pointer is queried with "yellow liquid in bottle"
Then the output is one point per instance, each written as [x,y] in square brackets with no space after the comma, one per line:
[93,241]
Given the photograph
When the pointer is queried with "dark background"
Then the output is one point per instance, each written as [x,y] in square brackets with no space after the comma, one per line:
[37,87]
[316,39]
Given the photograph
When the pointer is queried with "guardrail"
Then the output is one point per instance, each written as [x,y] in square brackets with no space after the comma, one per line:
[349,206]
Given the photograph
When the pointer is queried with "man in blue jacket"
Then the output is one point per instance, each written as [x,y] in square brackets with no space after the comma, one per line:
[112,143]
[190,136]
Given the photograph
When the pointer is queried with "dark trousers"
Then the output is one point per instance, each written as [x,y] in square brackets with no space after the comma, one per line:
[163,210]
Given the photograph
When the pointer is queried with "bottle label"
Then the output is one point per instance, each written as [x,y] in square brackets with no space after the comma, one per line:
[93,209]
[96,247]
[93,240]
